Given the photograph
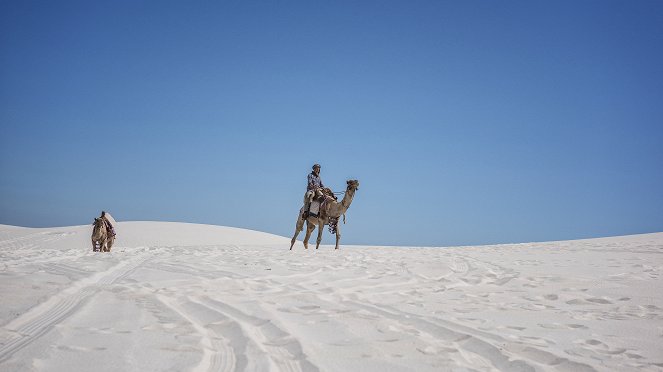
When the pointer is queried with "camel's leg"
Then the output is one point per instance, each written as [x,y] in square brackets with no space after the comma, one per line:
[94,246]
[321,228]
[338,233]
[111,240]
[294,238]
[309,229]
[298,228]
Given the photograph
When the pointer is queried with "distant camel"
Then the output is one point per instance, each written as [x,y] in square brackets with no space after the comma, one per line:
[101,236]
[329,209]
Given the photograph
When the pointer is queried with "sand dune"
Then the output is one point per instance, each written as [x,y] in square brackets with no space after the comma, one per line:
[180,297]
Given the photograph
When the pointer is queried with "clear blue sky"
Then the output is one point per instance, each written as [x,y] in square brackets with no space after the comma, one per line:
[466,122]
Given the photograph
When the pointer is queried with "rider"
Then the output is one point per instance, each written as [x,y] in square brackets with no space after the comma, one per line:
[313,189]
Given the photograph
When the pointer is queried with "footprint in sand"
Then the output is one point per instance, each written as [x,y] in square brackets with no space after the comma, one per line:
[561,326]
[575,289]
[602,301]
[597,346]
[537,341]
[589,301]
[79,348]
[517,328]
[502,280]
[459,265]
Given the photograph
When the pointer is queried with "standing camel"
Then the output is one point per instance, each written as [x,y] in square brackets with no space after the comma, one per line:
[329,209]
[101,236]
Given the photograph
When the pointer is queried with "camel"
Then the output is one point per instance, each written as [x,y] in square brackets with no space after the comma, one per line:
[329,209]
[101,236]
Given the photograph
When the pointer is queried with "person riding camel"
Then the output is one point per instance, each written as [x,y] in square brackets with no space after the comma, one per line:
[313,189]
[109,221]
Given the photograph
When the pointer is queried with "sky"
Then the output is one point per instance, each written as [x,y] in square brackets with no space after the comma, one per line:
[465,122]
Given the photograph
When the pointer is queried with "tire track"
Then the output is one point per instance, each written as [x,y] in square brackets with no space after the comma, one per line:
[217,354]
[281,347]
[497,275]
[474,341]
[440,332]
[39,320]
[460,339]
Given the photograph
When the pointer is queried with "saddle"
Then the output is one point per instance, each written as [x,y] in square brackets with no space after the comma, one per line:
[109,228]
[328,193]
[318,200]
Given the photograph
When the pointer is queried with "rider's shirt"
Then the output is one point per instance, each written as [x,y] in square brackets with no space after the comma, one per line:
[314,182]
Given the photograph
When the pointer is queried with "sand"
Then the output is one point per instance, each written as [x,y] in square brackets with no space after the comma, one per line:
[185,297]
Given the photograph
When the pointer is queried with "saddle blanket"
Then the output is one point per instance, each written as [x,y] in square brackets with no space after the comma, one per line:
[315,207]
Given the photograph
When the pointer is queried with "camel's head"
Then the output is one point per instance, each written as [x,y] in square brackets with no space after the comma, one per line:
[353,185]
[96,230]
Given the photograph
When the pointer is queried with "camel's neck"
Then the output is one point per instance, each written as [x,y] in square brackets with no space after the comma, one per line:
[337,209]
[347,199]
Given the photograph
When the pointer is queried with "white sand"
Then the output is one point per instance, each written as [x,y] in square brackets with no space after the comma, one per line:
[178,297]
